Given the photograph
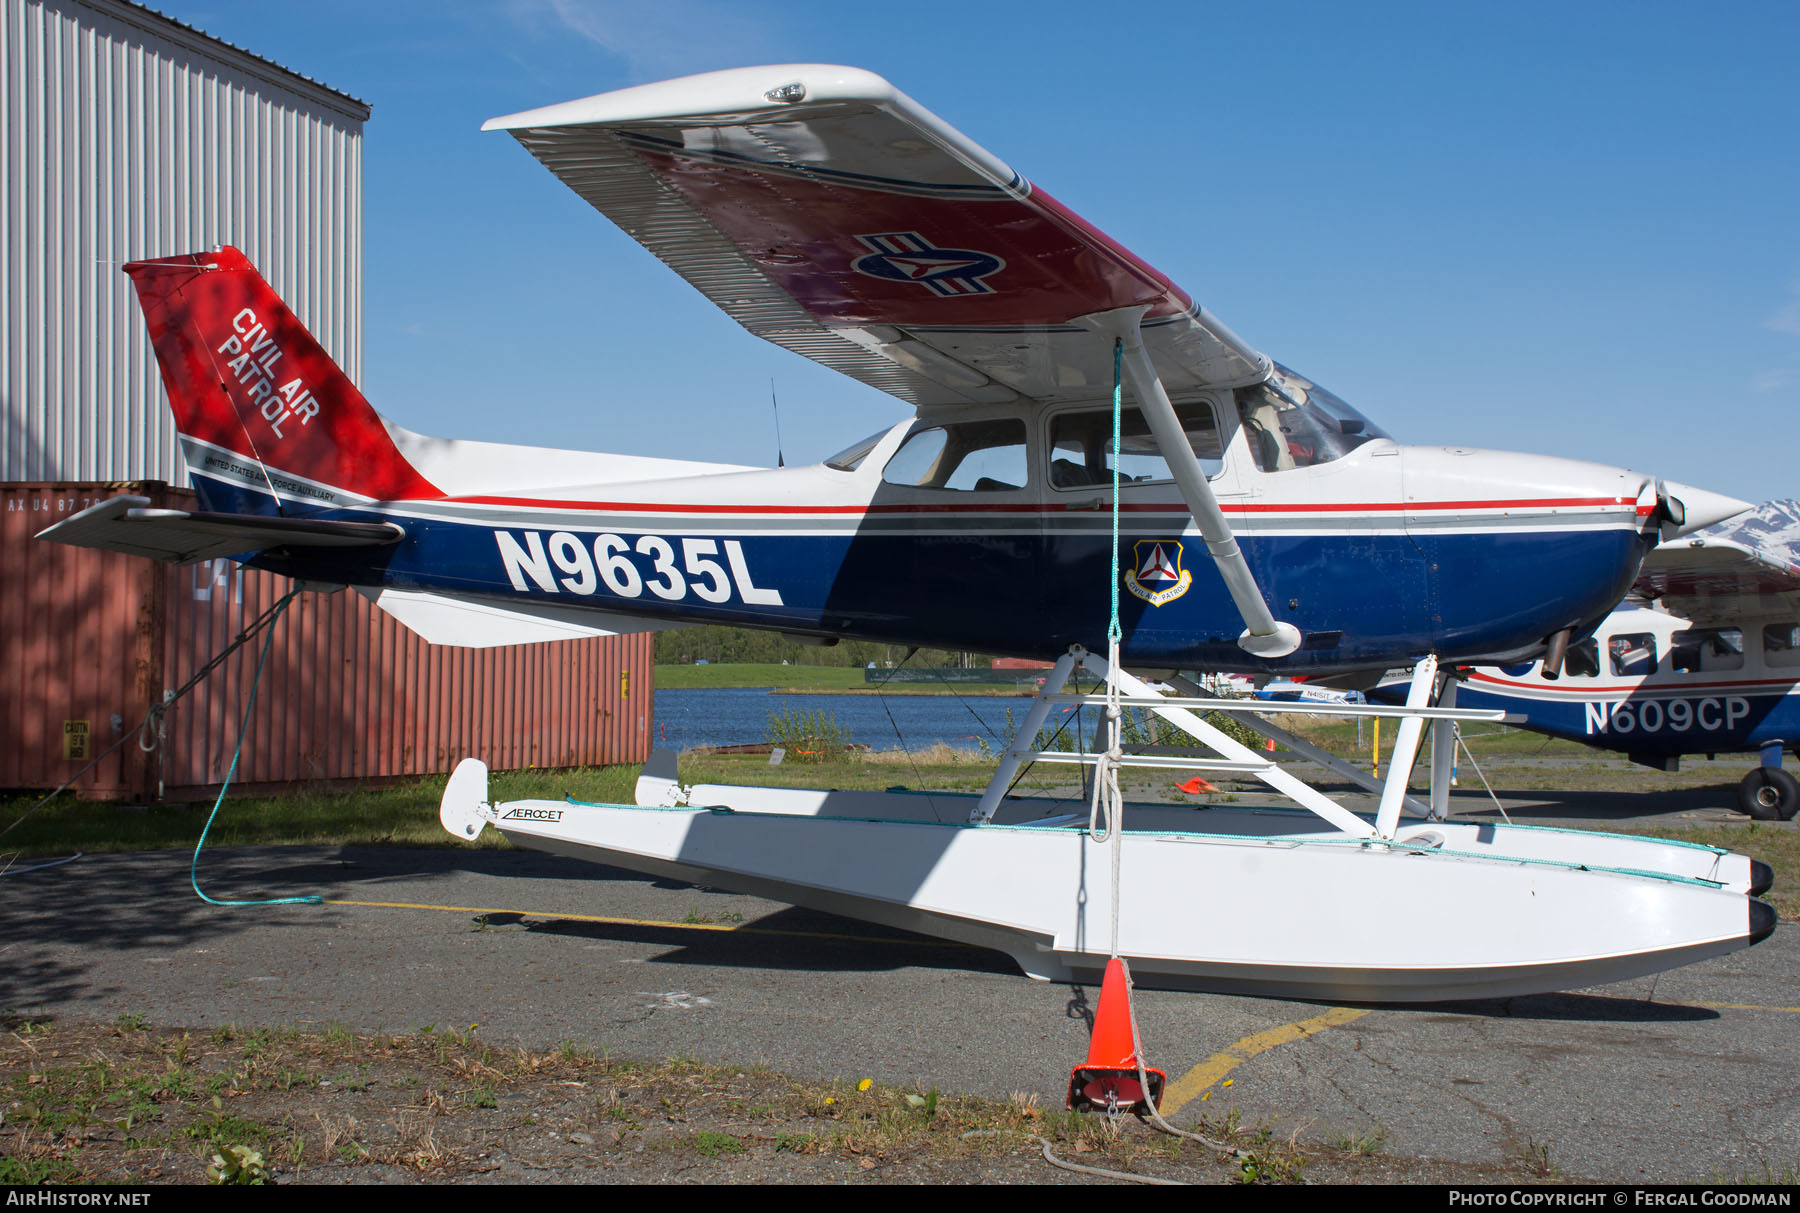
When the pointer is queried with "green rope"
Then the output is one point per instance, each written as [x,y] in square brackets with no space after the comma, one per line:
[1113,631]
[194,868]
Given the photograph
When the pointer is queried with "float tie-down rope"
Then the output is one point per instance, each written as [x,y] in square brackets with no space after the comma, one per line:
[1110,763]
[1106,788]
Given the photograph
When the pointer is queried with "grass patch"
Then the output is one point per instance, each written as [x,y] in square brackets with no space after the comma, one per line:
[712,1145]
[1368,1140]
[809,737]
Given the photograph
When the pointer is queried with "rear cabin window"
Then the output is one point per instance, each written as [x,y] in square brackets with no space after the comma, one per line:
[1781,644]
[969,456]
[1701,649]
[1632,656]
[1082,455]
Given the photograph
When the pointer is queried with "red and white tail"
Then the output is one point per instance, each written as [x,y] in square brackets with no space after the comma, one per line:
[247,379]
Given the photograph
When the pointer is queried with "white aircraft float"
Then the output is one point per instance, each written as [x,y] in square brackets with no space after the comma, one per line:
[834,216]
[1703,658]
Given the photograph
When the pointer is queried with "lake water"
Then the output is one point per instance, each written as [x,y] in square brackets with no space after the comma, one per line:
[688,718]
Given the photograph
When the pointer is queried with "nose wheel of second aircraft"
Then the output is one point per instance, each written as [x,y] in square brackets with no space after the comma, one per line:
[1769,794]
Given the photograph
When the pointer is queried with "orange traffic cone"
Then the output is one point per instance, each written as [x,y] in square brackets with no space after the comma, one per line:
[1109,1079]
[1195,786]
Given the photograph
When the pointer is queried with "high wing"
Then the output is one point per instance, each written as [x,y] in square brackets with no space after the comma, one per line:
[127,524]
[831,214]
[1744,567]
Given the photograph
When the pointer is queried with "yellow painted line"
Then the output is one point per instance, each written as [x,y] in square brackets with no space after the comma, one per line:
[651,922]
[1743,1006]
[1184,1089]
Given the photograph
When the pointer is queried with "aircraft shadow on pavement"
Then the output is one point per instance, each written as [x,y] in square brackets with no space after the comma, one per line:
[792,939]
[1565,1007]
[1592,805]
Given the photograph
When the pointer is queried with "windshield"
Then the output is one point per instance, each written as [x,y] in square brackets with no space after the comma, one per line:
[1292,422]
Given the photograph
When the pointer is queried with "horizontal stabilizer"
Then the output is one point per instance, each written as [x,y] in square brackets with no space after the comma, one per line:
[129,525]
[470,624]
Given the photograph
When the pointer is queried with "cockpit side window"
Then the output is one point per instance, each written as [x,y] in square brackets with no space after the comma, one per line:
[1082,455]
[971,456]
[1291,422]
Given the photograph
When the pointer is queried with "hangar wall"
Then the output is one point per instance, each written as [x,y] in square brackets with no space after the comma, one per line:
[124,134]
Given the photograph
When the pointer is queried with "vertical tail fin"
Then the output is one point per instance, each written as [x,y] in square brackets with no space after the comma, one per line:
[257,400]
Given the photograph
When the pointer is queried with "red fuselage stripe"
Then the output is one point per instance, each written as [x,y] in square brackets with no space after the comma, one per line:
[1588,691]
[1387,507]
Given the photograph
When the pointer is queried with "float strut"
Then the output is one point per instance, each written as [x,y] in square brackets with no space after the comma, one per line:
[1406,748]
[1443,750]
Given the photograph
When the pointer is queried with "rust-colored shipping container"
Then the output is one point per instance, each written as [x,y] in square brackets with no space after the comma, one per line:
[90,640]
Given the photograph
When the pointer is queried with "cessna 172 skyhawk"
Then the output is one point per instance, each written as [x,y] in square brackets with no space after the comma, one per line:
[836,217]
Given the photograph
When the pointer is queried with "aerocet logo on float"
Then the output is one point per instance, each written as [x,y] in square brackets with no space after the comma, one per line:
[254,365]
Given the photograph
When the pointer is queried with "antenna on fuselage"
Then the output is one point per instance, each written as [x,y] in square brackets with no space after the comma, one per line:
[779,461]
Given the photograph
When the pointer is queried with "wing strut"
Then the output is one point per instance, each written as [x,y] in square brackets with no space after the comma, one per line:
[1264,635]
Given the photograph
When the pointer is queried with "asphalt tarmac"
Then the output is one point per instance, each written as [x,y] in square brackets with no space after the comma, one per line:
[1688,1077]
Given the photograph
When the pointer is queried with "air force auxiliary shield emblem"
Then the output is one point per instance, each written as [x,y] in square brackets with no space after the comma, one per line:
[1157,576]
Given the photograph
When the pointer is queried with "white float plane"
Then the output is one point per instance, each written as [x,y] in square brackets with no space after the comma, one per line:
[833,215]
[1704,658]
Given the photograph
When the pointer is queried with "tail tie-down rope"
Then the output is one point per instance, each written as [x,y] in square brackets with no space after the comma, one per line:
[236,752]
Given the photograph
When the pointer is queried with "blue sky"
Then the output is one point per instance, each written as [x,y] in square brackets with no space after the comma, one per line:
[1568,228]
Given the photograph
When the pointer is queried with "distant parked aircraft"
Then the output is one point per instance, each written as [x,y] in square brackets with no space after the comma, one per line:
[1704,658]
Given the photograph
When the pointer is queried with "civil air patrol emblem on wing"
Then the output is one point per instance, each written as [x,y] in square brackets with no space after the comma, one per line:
[1156,575]
[909,257]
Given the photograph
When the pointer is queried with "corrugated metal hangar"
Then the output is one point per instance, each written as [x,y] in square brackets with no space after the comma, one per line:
[124,134]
